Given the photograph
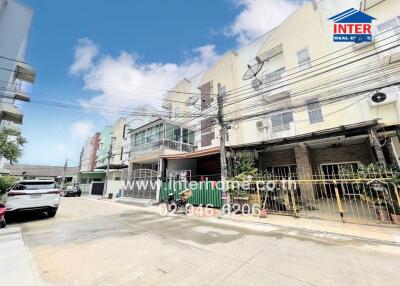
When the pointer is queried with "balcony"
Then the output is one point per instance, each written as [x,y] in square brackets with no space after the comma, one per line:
[25,72]
[22,96]
[161,145]
[11,113]
[158,137]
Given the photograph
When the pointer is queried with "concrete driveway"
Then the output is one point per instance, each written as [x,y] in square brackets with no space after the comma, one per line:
[93,242]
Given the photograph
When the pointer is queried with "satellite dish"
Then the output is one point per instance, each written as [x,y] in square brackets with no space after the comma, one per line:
[253,69]
[192,100]
[378,97]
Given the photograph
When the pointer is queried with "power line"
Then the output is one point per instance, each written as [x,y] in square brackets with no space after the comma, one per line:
[351,79]
[320,73]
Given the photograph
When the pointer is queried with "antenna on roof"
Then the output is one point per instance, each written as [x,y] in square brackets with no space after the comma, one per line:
[253,70]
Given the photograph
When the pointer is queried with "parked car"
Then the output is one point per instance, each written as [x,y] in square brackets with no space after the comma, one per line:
[34,195]
[72,191]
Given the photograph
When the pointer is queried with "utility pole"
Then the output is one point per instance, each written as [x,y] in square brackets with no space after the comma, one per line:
[80,167]
[110,154]
[222,135]
[63,176]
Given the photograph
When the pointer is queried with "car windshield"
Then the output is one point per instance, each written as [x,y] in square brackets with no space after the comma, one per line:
[35,186]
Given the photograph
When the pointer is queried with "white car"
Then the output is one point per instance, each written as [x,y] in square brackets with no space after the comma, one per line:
[34,195]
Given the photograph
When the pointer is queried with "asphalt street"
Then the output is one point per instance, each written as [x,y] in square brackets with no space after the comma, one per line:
[93,242]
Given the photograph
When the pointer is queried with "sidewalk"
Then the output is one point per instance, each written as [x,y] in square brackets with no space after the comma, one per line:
[380,234]
[16,265]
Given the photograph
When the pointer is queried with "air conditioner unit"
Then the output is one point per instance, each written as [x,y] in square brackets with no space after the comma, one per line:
[383,98]
[261,124]
[255,83]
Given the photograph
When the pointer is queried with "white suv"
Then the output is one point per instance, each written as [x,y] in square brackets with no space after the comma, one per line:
[40,195]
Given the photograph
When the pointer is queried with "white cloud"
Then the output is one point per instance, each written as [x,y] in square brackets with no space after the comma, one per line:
[123,82]
[85,52]
[81,130]
[258,17]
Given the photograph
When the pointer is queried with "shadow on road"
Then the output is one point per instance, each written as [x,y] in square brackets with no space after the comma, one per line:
[23,217]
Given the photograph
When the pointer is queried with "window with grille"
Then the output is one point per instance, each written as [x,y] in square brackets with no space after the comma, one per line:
[304,59]
[281,121]
[314,112]
[275,75]
[392,27]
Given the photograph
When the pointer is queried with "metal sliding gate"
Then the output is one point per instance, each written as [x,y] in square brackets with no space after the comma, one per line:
[143,184]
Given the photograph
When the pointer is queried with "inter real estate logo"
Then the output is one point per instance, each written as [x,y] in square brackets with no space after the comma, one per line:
[352,26]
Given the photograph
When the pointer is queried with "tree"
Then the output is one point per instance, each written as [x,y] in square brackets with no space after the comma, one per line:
[11,144]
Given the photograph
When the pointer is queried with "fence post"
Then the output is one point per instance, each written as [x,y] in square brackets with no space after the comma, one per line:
[291,186]
[339,202]
[396,193]
[258,194]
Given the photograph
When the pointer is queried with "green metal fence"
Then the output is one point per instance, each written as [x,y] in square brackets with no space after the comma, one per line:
[85,189]
[204,193]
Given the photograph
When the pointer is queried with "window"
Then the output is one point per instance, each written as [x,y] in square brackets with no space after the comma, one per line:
[173,132]
[187,136]
[281,121]
[314,112]
[212,135]
[35,186]
[392,26]
[304,59]
[177,111]
[275,75]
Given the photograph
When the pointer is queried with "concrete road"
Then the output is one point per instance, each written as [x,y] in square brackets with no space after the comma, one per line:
[93,242]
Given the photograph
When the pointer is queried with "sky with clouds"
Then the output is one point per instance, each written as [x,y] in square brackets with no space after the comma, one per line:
[106,57]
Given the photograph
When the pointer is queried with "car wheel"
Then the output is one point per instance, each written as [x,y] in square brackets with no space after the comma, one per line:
[52,212]
[3,223]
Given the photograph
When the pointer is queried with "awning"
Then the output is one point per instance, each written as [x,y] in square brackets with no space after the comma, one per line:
[113,167]
[11,113]
[192,155]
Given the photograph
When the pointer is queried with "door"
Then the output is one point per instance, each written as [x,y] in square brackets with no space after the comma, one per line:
[97,189]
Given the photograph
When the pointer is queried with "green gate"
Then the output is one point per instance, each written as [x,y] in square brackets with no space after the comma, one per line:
[204,193]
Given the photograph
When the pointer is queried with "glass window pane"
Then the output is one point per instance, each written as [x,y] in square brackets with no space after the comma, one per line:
[304,59]
[314,112]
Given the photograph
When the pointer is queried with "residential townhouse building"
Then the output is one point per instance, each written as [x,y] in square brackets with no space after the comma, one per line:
[307,109]
[112,139]
[89,153]
[151,136]
[312,97]
[15,17]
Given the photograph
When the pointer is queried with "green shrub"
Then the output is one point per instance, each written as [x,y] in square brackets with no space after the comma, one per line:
[6,182]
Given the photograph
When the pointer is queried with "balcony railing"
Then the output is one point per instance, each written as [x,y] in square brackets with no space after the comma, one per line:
[160,144]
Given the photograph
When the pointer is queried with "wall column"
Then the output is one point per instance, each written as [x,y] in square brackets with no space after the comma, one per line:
[304,171]
[377,147]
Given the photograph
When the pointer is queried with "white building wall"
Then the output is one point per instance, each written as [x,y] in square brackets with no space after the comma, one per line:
[15,25]
[308,27]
